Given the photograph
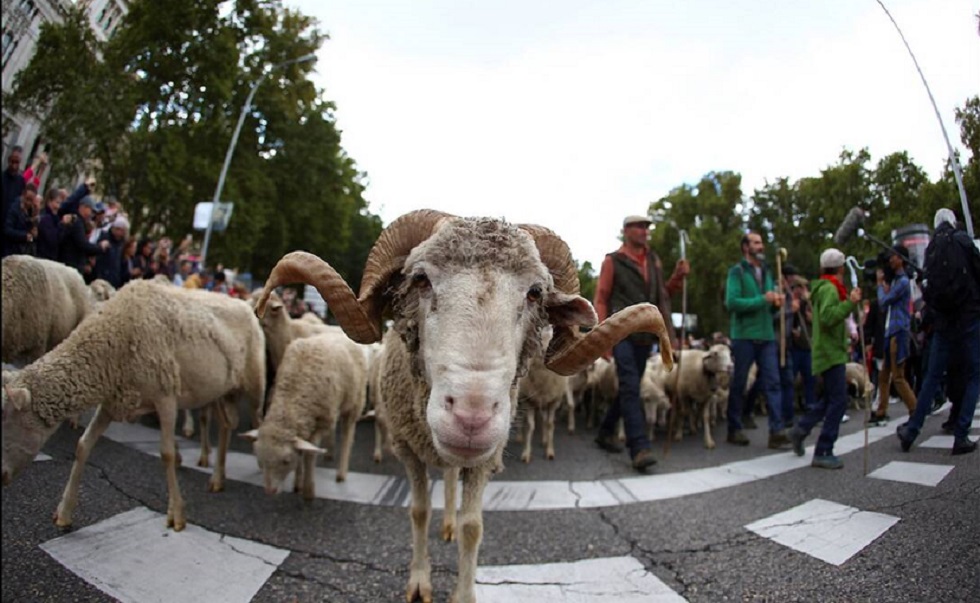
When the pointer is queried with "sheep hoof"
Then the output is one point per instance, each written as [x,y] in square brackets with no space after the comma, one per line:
[177,524]
[550,456]
[709,445]
[448,532]
[419,587]
[204,461]
[62,521]
[377,457]
[525,458]
[215,486]
[341,477]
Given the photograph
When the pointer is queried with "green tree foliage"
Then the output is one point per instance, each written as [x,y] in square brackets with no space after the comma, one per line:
[587,280]
[156,107]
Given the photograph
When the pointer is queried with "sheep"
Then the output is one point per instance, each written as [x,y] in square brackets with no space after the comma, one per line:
[605,389]
[541,390]
[150,348]
[43,301]
[101,290]
[702,374]
[863,389]
[321,379]
[470,299]
[311,317]
[281,330]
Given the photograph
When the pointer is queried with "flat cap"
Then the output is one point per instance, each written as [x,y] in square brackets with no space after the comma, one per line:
[637,219]
[831,258]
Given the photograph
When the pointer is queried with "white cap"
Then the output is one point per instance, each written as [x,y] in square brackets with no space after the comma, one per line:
[831,258]
[121,222]
[944,215]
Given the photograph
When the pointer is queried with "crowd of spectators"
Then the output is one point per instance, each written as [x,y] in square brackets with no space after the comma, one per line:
[93,236]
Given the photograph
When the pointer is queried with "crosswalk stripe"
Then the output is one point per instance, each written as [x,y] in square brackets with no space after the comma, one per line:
[925,474]
[135,558]
[823,529]
[41,457]
[607,580]
[938,441]
[365,488]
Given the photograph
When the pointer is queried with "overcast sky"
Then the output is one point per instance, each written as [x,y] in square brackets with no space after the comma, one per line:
[576,113]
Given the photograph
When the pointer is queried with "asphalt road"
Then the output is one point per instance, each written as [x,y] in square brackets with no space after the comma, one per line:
[697,545]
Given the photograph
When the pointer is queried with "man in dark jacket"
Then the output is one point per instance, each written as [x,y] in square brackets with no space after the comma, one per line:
[631,275]
[49,227]
[20,229]
[109,266]
[76,248]
[959,333]
[13,182]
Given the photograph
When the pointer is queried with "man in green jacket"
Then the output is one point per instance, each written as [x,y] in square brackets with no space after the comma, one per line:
[752,300]
[831,307]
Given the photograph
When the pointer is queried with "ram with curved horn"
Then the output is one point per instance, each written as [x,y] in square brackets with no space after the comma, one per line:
[470,298]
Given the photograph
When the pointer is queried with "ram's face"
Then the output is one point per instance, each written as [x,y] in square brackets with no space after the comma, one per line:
[23,432]
[473,328]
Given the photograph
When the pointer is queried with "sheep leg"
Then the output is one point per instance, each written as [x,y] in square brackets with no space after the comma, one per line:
[330,443]
[420,571]
[348,425]
[528,434]
[167,411]
[709,442]
[379,438]
[451,479]
[549,431]
[570,402]
[227,422]
[305,481]
[205,421]
[298,475]
[188,428]
[620,431]
[470,534]
[98,425]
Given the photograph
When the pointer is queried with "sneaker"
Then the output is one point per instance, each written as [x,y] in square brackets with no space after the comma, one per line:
[748,422]
[876,421]
[964,446]
[608,443]
[796,437]
[904,437]
[738,438]
[644,459]
[845,418]
[778,439]
[827,461]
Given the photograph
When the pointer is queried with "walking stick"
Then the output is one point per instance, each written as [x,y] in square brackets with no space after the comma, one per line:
[852,264]
[680,354]
[780,256]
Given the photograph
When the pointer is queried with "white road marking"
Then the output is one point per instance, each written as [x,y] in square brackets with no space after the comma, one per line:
[608,580]
[134,557]
[41,457]
[924,474]
[524,495]
[823,529]
[938,441]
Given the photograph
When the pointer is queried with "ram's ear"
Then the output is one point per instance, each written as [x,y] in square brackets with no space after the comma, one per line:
[18,398]
[566,310]
[251,435]
[303,446]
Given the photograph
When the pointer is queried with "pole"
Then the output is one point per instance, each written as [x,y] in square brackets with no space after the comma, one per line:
[952,156]
[852,264]
[680,353]
[781,254]
[234,141]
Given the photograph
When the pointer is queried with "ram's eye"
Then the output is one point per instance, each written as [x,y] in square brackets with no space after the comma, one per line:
[419,279]
[534,294]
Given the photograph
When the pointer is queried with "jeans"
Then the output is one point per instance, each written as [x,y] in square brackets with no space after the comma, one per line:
[745,352]
[964,340]
[801,366]
[830,408]
[631,361]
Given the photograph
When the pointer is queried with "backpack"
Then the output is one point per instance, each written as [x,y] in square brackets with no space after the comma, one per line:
[946,274]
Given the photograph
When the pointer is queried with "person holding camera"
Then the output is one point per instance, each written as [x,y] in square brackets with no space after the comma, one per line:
[20,229]
[895,300]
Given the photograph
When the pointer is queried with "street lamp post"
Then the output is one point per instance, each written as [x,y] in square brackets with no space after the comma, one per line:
[234,141]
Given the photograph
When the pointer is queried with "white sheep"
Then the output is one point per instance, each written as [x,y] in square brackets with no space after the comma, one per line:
[694,388]
[280,329]
[541,390]
[470,299]
[43,301]
[149,349]
[101,290]
[382,437]
[857,377]
[321,379]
